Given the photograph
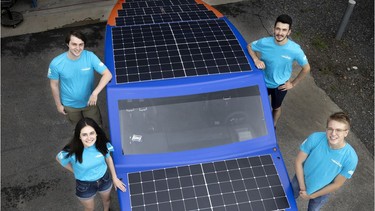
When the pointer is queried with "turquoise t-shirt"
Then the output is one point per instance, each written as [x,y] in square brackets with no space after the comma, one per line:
[278,59]
[76,77]
[93,165]
[323,164]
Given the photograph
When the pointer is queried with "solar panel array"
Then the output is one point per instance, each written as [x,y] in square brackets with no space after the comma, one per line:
[162,39]
[164,18]
[243,184]
[161,10]
[171,50]
[157,3]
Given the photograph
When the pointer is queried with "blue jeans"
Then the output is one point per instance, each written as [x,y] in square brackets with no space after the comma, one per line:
[314,204]
[88,189]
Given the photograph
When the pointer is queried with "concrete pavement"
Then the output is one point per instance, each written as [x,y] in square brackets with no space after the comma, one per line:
[53,14]
[32,131]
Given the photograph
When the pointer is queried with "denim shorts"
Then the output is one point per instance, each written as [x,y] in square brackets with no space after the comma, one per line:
[88,189]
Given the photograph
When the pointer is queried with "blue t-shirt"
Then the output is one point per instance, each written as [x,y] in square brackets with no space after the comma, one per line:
[278,59]
[76,77]
[323,164]
[93,166]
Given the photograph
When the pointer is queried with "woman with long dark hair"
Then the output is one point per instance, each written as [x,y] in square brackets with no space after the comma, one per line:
[88,157]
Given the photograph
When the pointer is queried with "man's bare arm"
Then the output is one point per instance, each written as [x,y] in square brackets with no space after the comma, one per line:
[258,63]
[55,87]
[106,77]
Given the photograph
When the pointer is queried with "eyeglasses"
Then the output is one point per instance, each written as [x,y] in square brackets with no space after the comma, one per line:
[330,130]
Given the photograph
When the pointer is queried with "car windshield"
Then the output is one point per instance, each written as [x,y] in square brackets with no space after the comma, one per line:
[172,124]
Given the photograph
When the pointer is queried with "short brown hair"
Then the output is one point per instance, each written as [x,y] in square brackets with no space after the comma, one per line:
[77,34]
[339,117]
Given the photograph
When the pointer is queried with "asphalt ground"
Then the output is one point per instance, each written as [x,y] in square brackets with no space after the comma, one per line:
[32,132]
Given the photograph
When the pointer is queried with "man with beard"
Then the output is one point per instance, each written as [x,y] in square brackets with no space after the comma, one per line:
[71,77]
[275,55]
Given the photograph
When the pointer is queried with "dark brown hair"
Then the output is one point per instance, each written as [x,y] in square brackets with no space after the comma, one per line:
[77,34]
[75,146]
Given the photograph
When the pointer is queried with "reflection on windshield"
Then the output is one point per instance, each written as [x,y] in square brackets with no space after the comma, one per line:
[173,124]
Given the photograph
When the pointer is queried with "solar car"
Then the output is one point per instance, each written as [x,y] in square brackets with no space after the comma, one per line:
[188,112]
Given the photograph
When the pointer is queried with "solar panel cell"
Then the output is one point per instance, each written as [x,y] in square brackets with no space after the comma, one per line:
[281,202]
[269,204]
[161,185]
[164,207]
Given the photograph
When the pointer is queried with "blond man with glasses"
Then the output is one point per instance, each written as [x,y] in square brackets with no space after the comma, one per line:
[325,161]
